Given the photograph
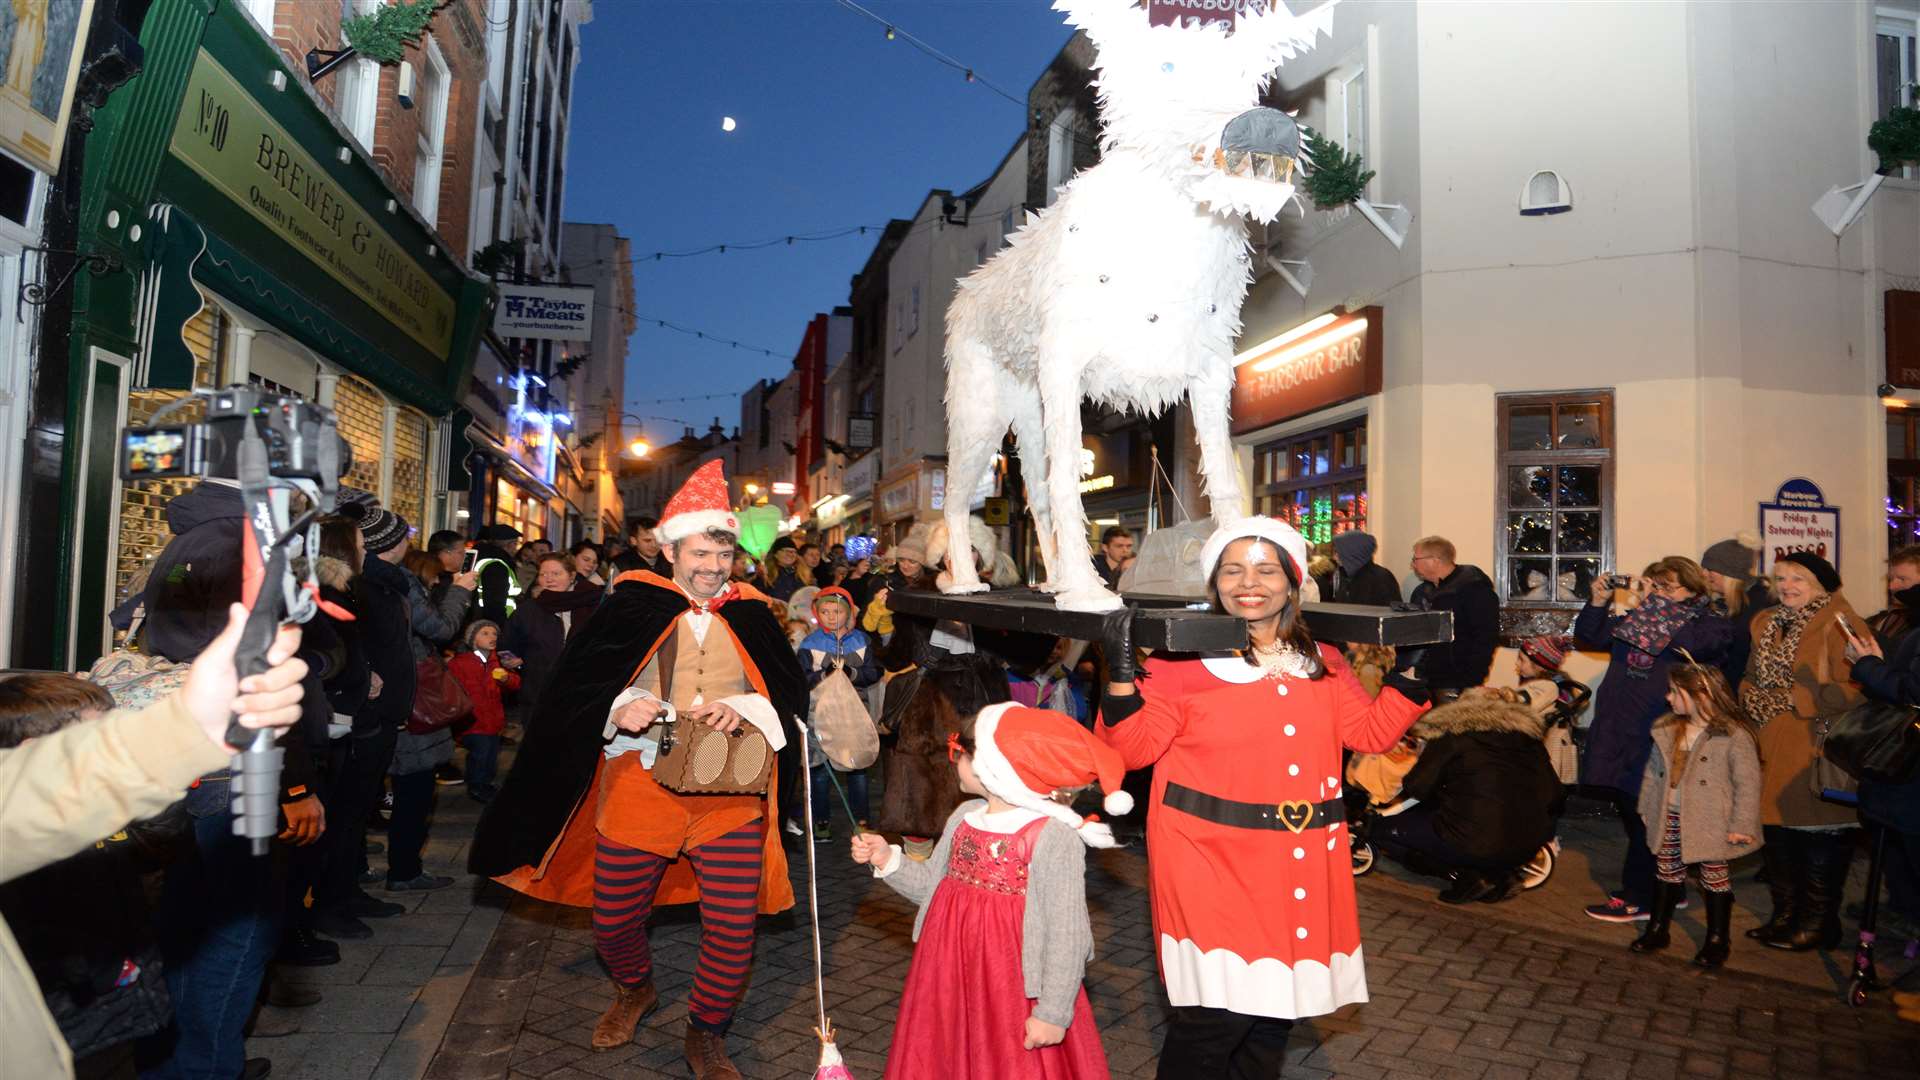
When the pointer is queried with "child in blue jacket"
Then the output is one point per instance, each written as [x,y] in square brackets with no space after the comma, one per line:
[836,645]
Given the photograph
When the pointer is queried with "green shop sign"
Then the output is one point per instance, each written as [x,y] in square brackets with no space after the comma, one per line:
[227,138]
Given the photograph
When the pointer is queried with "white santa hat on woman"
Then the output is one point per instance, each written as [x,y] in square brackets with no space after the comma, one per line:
[1293,546]
[1024,755]
[700,504]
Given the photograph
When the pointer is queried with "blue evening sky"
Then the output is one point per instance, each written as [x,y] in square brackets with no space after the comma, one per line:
[837,127]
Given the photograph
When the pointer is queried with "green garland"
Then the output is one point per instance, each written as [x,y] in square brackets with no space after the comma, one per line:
[384,33]
[1334,178]
[498,257]
[1896,139]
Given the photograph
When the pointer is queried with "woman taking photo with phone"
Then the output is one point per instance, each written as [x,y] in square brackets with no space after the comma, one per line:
[1798,675]
[1646,625]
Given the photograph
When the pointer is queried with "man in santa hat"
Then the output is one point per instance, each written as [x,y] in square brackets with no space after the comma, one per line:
[580,819]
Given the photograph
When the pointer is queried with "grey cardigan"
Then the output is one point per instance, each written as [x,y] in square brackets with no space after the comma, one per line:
[1056,937]
[1719,794]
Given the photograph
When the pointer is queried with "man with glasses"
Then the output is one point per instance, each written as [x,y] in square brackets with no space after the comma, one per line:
[1468,593]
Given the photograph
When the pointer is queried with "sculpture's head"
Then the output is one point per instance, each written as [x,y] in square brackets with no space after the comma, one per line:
[1188,96]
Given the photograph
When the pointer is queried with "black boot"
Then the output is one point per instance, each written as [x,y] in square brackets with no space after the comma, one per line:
[1714,951]
[300,947]
[1782,878]
[1659,918]
[1826,859]
[1470,886]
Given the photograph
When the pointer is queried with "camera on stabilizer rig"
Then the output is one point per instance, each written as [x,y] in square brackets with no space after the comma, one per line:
[272,447]
[302,439]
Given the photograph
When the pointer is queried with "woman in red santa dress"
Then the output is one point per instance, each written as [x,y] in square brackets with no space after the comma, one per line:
[1252,884]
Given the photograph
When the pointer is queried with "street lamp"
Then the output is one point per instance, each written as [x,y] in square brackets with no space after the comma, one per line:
[638,448]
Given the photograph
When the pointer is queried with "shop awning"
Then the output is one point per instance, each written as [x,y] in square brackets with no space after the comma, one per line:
[486,442]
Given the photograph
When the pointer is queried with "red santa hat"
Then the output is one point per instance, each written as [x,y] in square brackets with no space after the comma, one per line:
[1024,755]
[699,505]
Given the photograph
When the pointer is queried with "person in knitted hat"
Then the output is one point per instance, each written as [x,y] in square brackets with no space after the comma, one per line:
[1254,914]
[580,819]
[382,530]
[836,645]
[1003,938]
[1738,591]
[1554,696]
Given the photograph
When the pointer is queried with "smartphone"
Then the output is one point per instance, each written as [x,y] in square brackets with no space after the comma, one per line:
[470,560]
[1619,581]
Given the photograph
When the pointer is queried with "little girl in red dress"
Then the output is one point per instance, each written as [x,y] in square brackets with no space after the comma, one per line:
[995,991]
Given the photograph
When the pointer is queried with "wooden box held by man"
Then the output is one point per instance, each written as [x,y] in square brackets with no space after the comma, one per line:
[581,820]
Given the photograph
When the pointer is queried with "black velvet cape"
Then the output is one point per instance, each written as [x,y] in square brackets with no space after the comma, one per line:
[563,741]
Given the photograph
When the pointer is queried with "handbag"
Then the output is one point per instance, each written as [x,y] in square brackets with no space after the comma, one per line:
[848,738]
[1875,741]
[1824,776]
[438,698]
[695,759]
[1563,754]
[136,680]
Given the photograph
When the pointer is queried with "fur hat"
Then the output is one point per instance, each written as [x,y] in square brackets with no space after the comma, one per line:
[1024,755]
[700,504]
[1274,531]
[913,547]
[985,547]
[1821,569]
[1733,558]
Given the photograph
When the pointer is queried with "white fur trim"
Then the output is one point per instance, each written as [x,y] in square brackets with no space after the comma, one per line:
[1221,979]
[1118,803]
[997,775]
[1276,532]
[681,526]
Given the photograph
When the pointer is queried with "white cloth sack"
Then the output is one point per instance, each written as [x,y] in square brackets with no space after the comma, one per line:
[845,729]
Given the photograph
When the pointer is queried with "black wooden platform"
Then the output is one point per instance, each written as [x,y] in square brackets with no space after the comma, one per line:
[1164,623]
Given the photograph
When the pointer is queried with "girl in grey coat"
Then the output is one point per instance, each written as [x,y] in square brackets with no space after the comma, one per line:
[1700,799]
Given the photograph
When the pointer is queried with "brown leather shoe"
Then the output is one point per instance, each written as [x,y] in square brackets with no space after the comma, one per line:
[616,1025]
[707,1056]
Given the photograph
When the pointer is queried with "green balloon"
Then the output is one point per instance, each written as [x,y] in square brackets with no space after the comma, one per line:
[759,528]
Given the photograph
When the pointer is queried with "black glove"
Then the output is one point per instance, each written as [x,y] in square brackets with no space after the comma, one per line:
[1116,644]
[1406,659]
[1405,676]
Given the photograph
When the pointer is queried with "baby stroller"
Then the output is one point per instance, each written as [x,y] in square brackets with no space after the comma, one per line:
[1372,793]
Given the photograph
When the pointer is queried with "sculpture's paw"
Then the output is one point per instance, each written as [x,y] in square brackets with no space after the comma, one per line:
[1086,598]
[960,588]
[1049,586]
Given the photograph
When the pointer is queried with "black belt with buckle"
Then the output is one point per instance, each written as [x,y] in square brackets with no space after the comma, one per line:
[1293,816]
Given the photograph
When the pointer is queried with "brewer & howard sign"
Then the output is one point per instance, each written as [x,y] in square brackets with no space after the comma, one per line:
[226,137]
[1296,373]
[550,312]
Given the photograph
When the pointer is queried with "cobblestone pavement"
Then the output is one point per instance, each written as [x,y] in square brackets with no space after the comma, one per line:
[1456,994]
[478,983]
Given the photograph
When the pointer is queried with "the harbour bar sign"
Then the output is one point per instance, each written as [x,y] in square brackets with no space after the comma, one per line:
[1324,361]
[231,142]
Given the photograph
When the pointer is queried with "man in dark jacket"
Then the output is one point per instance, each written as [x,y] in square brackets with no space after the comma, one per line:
[499,591]
[220,913]
[645,553]
[1468,593]
[1895,678]
[1356,578]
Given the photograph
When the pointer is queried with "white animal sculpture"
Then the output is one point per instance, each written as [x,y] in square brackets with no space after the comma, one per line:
[1128,288]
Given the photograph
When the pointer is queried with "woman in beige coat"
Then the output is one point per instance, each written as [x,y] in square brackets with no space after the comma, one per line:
[1799,673]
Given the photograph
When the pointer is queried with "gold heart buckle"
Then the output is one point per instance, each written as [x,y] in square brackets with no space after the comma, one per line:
[1296,814]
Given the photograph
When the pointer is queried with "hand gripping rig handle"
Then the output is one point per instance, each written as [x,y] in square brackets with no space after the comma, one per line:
[255,784]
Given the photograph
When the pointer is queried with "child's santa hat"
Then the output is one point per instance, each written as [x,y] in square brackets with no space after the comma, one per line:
[699,505]
[1024,755]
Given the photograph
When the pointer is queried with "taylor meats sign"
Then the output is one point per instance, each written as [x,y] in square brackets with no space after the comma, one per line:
[231,142]
[551,312]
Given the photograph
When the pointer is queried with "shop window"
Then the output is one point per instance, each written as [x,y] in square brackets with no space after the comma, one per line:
[1554,531]
[1903,478]
[408,494]
[357,90]
[143,504]
[1315,481]
[363,421]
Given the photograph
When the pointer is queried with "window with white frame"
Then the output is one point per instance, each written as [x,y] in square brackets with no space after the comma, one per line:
[1353,109]
[1060,138]
[262,12]
[357,89]
[1896,65]
[431,100]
